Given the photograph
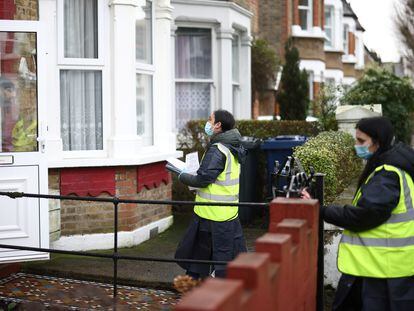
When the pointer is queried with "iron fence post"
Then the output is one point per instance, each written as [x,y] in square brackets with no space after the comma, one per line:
[116,202]
[319,190]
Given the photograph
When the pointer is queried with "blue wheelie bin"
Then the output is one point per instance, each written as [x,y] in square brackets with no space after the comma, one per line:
[277,149]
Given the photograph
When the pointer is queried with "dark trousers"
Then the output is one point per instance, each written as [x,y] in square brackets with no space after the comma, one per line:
[372,294]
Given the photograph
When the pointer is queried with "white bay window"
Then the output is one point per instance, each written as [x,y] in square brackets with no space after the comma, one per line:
[329,26]
[81,125]
[305,14]
[144,74]
[193,74]
[236,72]
[81,109]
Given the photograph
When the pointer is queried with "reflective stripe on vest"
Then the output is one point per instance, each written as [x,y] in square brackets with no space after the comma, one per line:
[386,251]
[224,189]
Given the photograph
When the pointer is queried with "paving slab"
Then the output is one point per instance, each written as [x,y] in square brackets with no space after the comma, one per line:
[136,273]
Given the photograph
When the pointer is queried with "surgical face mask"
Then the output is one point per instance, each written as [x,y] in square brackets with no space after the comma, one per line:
[363,152]
[208,129]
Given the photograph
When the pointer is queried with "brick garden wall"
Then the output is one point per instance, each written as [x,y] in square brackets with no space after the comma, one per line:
[280,275]
[83,217]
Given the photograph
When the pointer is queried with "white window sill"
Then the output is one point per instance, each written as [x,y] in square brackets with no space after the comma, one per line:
[315,32]
[99,162]
[333,50]
[349,58]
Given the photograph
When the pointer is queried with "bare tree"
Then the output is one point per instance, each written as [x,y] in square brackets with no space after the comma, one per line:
[405,26]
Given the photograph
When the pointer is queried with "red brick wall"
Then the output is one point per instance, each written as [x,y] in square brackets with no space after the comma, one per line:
[280,275]
[84,217]
[252,6]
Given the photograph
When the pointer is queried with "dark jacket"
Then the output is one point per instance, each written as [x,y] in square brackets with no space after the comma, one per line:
[379,196]
[206,239]
[214,160]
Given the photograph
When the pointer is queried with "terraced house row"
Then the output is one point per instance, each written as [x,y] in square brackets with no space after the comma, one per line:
[94,92]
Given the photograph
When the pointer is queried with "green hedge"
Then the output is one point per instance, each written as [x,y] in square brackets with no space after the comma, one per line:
[192,138]
[331,153]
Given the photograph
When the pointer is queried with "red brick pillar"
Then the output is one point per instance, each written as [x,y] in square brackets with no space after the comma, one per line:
[213,295]
[316,13]
[295,12]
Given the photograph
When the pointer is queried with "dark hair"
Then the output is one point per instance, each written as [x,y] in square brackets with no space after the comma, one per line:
[226,119]
[381,131]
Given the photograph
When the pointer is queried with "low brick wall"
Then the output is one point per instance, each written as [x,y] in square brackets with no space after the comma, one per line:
[280,275]
[148,182]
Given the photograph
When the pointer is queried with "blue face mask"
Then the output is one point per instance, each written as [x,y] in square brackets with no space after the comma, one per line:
[363,152]
[208,129]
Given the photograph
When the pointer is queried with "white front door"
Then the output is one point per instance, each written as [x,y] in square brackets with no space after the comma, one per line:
[23,221]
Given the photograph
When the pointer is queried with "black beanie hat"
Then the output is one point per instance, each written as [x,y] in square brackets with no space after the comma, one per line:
[379,129]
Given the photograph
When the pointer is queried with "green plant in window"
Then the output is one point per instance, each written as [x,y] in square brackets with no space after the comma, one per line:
[24,135]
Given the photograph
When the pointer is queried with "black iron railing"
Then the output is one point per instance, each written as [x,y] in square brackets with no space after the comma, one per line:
[115,256]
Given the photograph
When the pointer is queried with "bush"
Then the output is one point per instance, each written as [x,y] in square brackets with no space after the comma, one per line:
[331,153]
[325,107]
[395,94]
[192,138]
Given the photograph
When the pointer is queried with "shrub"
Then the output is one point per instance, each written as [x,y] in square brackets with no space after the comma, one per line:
[325,107]
[331,153]
[192,138]
[395,94]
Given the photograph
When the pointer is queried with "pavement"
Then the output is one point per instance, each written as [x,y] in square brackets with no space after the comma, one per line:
[150,274]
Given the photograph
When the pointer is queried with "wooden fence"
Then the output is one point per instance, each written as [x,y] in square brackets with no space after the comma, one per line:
[279,275]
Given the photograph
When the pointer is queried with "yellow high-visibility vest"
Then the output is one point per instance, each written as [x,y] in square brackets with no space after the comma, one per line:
[386,251]
[224,189]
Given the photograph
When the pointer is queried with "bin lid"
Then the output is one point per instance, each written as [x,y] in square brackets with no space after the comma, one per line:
[250,142]
[283,142]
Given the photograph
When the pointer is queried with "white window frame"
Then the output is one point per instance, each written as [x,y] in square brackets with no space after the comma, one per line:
[214,58]
[62,60]
[85,64]
[345,38]
[331,10]
[148,69]
[311,79]
[309,9]
[236,83]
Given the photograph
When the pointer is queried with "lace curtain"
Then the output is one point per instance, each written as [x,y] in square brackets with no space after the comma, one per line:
[80,28]
[81,90]
[81,109]
[193,61]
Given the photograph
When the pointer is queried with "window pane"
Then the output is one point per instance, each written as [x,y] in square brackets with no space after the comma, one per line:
[345,37]
[235,58]
[193,53]
[143,36]
[81,28]
[303,19]
[18,92]
[81,109]
[192,102]
[304,2]
[19,10]
[144,109]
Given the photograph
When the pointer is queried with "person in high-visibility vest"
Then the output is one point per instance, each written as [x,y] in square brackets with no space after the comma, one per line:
[215,232]
[376,251]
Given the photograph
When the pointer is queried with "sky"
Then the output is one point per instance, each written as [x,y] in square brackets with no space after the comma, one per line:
[377,17]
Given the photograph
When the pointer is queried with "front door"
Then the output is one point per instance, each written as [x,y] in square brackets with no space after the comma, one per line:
[23,168]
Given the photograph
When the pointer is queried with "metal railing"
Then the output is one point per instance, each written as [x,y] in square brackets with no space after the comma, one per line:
[115,256]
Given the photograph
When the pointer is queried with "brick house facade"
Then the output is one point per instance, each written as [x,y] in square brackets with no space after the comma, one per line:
[327,34]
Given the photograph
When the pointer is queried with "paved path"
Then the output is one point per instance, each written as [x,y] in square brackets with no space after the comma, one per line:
[23,291]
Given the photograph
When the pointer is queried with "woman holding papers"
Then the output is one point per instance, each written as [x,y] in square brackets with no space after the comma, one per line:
[215,232]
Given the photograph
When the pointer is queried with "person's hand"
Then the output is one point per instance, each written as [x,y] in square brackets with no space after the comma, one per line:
[305,194]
